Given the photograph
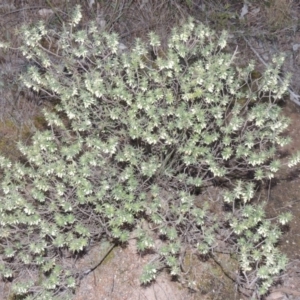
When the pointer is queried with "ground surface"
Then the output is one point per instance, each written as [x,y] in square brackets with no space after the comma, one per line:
[269,31]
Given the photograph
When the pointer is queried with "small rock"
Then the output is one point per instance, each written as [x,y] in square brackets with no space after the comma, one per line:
[276,296]
[296,47]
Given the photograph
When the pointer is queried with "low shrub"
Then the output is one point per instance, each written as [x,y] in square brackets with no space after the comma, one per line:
[135,137]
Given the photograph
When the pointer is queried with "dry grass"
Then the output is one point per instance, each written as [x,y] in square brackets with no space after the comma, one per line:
[134,19]
[278,14]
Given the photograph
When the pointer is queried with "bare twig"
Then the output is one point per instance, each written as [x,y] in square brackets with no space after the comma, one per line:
[22,9]
[58,16]
[85,273]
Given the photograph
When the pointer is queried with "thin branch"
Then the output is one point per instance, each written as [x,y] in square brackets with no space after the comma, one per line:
[85,273]
[22,9]
[58,16]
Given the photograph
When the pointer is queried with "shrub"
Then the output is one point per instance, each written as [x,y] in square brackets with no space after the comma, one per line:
[133,139]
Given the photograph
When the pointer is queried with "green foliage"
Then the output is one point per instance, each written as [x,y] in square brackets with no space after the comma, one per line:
[142,137]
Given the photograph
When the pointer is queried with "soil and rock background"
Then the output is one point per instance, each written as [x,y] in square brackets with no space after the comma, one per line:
[258,29]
